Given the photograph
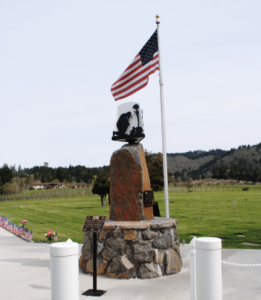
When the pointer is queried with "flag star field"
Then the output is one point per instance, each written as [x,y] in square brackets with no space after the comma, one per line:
[136,76]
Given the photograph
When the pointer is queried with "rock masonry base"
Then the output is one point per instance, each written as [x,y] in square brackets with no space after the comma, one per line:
[144,249]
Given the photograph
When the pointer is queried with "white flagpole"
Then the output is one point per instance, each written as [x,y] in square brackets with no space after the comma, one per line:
[165,167]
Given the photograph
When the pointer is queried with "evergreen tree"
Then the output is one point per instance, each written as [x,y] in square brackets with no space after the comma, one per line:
[1,186]
[155,168]
[101,186]
[6,175]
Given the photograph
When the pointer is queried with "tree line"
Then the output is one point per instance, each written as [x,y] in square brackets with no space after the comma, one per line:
[237,172]
[14,180]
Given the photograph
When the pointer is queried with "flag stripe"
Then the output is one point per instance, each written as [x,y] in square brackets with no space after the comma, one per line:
[136,76]
[132,92]
[135,81]
[140,69]
[135,89]
[134,67]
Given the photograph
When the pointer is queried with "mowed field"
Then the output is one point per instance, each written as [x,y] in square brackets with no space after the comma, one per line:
[199,213]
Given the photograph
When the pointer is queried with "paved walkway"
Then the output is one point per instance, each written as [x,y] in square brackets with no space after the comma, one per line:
[25,274]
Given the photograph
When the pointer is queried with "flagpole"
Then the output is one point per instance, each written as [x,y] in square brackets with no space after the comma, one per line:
[165,167]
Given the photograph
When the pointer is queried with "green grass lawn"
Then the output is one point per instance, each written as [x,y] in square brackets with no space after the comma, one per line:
[208,213]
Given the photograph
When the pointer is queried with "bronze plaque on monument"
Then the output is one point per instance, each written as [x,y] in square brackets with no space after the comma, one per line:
[93,223]
[148,198]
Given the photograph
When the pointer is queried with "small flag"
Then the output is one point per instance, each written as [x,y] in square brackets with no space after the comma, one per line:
[8,226]
[136,76]
[30,235]
[56,237]
[5,223]
[19,231]
[27,233]
[13,228]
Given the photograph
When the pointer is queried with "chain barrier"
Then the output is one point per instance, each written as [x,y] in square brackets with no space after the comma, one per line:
[240,265]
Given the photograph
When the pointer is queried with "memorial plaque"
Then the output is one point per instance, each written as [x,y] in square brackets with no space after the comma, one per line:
[148,198]
[93,223]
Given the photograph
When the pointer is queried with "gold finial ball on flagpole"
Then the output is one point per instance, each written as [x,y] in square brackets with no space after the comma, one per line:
[157,16]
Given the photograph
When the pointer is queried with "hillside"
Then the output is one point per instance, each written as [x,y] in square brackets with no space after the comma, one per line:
[243,163]
[177,162]
[180,162]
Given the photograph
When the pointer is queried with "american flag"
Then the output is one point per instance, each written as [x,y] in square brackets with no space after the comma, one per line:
[13,228]
[30,236]
[136,76]
[19,230]
[4,224]
[27,233]
[9,226]
[56,237]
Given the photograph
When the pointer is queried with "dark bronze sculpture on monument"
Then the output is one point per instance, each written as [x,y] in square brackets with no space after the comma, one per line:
[135,241]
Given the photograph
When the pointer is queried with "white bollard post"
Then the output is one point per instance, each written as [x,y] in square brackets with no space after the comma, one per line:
[192,252]
[64,271]
[208,268]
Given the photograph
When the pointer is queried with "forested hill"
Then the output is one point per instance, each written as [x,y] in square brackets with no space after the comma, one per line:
[48,174]
[243,163]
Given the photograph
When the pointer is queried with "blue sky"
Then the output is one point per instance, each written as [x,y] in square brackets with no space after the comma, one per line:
[58,60]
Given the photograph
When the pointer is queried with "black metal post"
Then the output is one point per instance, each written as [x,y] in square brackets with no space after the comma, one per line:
[94,291]
[94,262]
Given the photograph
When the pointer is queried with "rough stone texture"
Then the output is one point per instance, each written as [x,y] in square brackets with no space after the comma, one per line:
[116,232]
[108,254]
[176,246]
[116,244]
[126,225]
[164,241]
[82,263]
[162,222]
[101,266]
[109,225]
[99,248]
[103,233]
[151,270]
[158,256]
[121,267]
[172,262]
[130,235]
[175,233]
[149,235]
[129,178]
[142,243]
[130,249]
[129,252]
[143,253]
[87,250]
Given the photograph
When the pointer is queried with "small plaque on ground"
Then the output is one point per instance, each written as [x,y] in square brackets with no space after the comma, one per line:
[148,198]
[93,223]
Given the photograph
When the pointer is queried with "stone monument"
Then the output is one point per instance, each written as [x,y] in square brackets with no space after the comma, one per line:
[133,242]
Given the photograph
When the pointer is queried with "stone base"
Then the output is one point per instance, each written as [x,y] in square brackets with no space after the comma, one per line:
[145,249]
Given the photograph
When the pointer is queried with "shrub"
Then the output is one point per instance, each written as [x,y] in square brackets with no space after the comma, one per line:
[189,186]
[245,188]
[31,188]
[48,187]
